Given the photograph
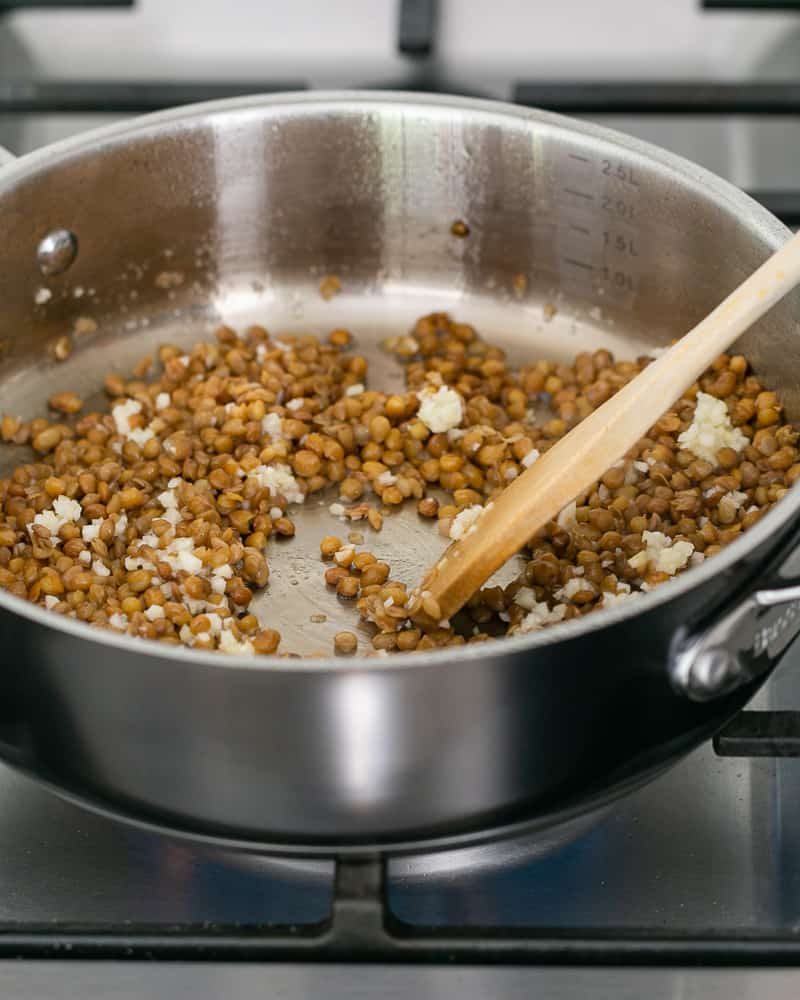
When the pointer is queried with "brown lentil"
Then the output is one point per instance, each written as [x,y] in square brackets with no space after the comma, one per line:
[210,438]
[345,643]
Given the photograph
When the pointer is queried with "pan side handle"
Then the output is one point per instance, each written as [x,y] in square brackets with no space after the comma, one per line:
[15,744]
[746,641]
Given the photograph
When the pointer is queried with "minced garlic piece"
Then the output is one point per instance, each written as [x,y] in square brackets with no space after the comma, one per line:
[271,425]
[661,553]
[64,511]
[572,587]
[624,593]
[99,568]
[730,503]
[568,517]
[525,597]
[440,409]
[228,643]
[540,615]
[279,479]
[711,429]
[465,521]
[169,502]
[122,414]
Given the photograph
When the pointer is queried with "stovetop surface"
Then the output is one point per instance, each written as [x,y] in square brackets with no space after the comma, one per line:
[709,847]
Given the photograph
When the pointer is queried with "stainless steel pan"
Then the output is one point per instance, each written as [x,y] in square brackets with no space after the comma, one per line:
[246,205]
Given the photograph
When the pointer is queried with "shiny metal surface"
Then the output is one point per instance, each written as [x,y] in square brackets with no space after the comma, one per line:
[709,848]
[218,981]
[56,252]
[59,865]
[743,643]
[251,203]
[711,845]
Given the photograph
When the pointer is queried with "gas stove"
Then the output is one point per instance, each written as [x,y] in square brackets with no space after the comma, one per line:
[687,887]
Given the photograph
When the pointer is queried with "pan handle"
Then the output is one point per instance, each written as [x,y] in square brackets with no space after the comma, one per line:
[746,642]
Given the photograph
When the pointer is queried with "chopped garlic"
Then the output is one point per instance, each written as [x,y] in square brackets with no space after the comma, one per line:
[540,615]
[140,435]
[169,501]
[731,502]
[189,562]
[91,531]
[568,517]
[632,473]
[572,587]
[154,612]
[122,414]
[163,400]
[50,601]
[441,409]
[465,522]
[136,562]
[228,643]
[119,621]
[354,390]
[295,404]
[711,429]
[100,569]
[85,557]
[271,425]
[624,593]
[662,553]
[530,458]
[525,597]
[278,479]
[65,511]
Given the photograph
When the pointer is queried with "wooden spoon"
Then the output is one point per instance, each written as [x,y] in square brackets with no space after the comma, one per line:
[580,458]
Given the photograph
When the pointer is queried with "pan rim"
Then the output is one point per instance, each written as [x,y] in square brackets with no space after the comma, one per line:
[731,198]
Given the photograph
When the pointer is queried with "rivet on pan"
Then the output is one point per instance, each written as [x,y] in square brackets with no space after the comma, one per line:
[56,252]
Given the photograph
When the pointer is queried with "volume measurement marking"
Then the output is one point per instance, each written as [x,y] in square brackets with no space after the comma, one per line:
[578,194]
[579,158]
[582,264]
[580,229]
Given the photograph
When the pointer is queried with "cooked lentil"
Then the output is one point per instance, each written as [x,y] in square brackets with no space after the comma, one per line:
[153,518]
[345,643]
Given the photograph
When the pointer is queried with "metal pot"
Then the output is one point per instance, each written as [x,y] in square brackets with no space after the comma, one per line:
[245,205]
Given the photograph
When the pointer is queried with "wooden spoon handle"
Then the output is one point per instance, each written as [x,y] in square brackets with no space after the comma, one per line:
[581,457]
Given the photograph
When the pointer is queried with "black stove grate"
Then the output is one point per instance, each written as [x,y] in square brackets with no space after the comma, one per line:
[362,929]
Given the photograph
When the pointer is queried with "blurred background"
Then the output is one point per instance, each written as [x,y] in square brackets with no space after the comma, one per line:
[715,80]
